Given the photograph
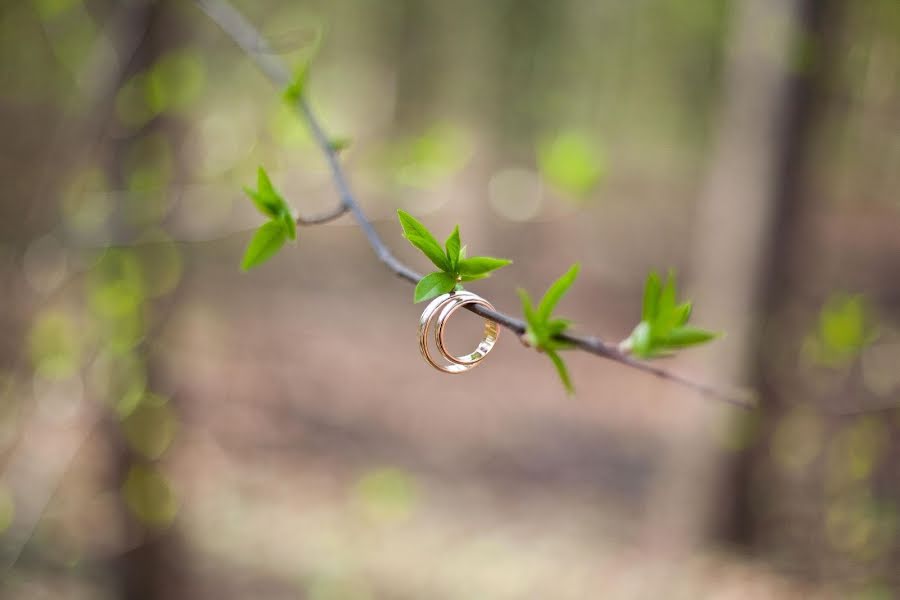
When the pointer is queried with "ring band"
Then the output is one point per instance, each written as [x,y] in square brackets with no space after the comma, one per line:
[441,308]
[490,335]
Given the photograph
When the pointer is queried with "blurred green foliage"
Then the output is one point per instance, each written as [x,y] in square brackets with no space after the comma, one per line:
[386,494]
[149,496]
[55,345]
[572,163]
[423,160]
[7,508]
[845,327]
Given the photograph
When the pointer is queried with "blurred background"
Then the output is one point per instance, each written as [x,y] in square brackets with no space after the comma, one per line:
[173,428]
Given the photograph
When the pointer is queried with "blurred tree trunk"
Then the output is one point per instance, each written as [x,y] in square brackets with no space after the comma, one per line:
[791,245]
[153,568]
[744,210]
[791,503]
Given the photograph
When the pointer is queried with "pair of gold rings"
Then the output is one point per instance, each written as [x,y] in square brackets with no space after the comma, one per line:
[441,309]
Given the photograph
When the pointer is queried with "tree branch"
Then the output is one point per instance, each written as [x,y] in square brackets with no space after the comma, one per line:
[245,35]
[326,217]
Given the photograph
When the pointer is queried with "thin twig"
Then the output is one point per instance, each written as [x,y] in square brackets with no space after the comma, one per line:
[245,35]
[326,217]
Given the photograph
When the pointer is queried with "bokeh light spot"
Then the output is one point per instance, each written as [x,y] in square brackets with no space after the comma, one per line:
[149,496]
[386,494]
[572,163]
[515,194]
[45,264]
[175,82]
[422,161]
[151,427]
[54,346]
[86,203]
[7,508]
[797,439]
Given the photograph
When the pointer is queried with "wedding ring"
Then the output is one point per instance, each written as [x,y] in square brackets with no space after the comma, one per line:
[441,308]
[490,335]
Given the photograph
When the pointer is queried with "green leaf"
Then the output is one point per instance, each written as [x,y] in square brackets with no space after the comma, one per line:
[336,144]
[682,337]
[297,87]
[652,289]
[557,326]
[527,306]
[265,204]
[453,247]
[265,243]
[264,185]
[419,236]
[562,370]
[641,341]
[481,265]
[681,314]
[540,330]
[467,278]
[556,291]
[433,285]
[266,198]
[662,327]
[667,297]
[290,225]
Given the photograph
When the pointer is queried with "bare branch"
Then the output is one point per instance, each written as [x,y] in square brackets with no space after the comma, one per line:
[245,35]
[327,217]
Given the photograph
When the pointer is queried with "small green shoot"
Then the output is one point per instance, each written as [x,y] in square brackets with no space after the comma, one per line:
[454,267]
[338,144]
[280,227]
[542,328]
[663,327]
[297,87]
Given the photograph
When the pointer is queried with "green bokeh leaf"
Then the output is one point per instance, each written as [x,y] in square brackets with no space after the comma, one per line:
[337,144]
[264,184]
[572,163]
[265,204]
[434,285]
[267,200]
[297,87]
[290,225]
[266,242]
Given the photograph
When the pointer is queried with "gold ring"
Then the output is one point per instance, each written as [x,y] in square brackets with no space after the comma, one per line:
[491,331]
[441,308]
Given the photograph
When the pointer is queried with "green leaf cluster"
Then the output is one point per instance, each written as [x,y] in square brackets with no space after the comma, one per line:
[542,328]
[663,327]
[280,227]
[454,267]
